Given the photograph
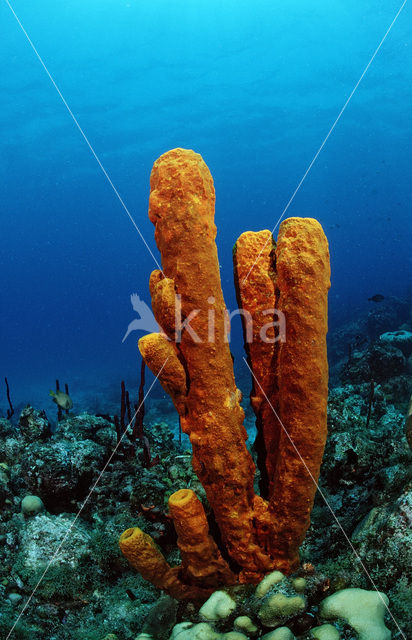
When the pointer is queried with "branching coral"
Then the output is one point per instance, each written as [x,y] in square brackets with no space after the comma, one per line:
[275,283]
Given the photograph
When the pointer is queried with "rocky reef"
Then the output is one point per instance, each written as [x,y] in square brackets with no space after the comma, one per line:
[60,540]
[278,609]
[89,590]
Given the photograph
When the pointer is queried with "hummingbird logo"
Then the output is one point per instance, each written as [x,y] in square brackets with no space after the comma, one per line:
[146,322]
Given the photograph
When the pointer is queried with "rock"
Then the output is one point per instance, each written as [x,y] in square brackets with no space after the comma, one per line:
[402,340]
[280,599]
[4,485]
[386,527]
[379,362]
[31,505]
[408,424]
[385,361]
[385,316]
[62,471]
[53,542]
[87,427]
[6,428]
[397,389]
[268,582]
[299,584]
[218,607]
[34,424]
[364,611]
[188,631]
[161,618]
[244,623]
[278,608]
[356,370]
[282,633]
[15,598]
[325,632]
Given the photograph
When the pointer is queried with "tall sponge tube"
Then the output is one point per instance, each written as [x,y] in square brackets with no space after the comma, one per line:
[303,281]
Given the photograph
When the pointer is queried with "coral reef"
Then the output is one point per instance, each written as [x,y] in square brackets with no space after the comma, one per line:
[400,339]
[33,424]
[387,316]
[87,590]
[31,505]
[365,328]
[196,369]
[364,611]
[242,614]
[369,493]
[408,424]
[378,362]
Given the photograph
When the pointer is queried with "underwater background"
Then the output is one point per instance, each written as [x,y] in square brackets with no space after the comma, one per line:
[254,87]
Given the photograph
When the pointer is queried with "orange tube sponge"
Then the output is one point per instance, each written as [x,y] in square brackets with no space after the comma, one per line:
[282,291]
[289,393]
[303,280]
[181,206]
[202,563]
[161,357]
[163,295]
[145,557]
[255,281]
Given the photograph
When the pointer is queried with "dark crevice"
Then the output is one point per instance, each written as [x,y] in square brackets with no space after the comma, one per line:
[217,536]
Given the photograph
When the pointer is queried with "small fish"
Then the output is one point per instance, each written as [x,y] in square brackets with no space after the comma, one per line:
[62,399]
[378,297]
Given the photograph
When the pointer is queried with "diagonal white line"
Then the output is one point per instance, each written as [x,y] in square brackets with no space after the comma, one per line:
[66,535]
[325,500]
[315,157]
[85,138]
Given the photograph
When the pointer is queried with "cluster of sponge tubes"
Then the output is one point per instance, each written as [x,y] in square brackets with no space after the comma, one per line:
[258,533]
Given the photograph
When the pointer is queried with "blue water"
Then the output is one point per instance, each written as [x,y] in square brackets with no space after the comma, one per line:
[252,85]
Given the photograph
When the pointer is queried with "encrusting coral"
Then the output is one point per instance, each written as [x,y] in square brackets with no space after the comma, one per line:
[363,610]
[276,611]
[193,363]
